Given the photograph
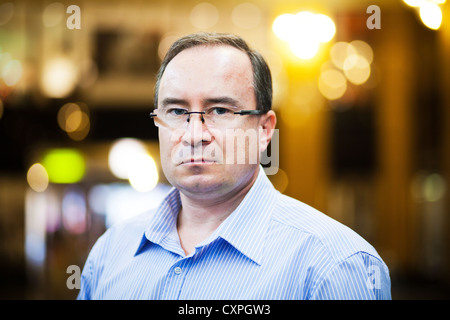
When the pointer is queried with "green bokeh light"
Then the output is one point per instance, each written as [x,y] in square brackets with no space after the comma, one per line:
[64,165]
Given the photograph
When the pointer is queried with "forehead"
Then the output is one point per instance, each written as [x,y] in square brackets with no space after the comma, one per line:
[208,69]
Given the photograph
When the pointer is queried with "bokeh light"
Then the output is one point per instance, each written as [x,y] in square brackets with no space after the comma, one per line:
[429,11]
[64,165]
[246,15]
[431,15]
[59,77]
[349,61]
[283,26]
[53,14]
[73,118]
[122,155]
[74,211]
[37,177]
[129,159]
[204,15]
[143,175]
[304,32]
[339,53]
[332,84]
[356,69]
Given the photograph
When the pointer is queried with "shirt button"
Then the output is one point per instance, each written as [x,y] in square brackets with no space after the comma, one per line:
[177,270]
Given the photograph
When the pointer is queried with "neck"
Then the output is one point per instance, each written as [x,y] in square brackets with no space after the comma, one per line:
[199,217]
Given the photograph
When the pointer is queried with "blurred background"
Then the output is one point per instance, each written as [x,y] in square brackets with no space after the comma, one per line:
[362,94]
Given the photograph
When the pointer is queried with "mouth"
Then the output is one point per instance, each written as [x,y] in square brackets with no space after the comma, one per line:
[197,161]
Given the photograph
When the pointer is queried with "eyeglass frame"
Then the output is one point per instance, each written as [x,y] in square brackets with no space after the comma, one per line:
[201,113]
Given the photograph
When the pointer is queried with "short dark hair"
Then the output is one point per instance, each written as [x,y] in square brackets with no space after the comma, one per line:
[262,79]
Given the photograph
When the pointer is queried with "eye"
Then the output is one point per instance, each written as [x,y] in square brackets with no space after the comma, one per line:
[176,112]
[219,111]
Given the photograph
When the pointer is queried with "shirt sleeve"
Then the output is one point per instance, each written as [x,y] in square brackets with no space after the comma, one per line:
[359,277]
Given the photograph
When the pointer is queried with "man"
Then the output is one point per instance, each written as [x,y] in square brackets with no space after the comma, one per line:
[224,232]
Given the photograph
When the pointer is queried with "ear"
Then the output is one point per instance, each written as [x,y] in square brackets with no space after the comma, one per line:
[267,125]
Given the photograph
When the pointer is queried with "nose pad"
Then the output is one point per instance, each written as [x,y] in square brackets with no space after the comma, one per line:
[195,112]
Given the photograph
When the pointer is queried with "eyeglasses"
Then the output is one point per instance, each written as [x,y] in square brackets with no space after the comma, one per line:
[218,117]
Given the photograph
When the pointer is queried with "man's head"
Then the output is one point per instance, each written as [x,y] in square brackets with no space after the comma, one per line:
[207,72]
[262,79]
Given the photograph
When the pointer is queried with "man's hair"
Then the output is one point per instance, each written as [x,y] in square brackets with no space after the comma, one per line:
[262,79]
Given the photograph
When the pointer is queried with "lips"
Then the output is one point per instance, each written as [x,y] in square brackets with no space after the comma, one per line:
[201,160]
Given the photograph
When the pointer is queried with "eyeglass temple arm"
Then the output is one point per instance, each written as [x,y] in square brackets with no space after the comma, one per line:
[248,112]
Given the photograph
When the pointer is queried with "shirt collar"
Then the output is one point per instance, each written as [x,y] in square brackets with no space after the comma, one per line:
[244,228]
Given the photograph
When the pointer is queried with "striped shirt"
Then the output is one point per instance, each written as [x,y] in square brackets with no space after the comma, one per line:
[270,247]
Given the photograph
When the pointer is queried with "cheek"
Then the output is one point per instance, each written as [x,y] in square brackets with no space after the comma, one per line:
[165,145]
[242,146]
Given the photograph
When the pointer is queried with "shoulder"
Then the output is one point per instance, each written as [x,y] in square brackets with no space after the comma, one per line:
[333,237]
[342,263]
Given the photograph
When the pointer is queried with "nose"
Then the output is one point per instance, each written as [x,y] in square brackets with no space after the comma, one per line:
[197,132]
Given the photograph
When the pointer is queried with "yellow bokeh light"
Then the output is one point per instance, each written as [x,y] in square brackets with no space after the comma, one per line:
[304,48]
[83,128]
[74,119]
[339,53]
[58,77]
[431,15]
[304,32]
[353,59]
[246,15]
[37,177]
[414,3]
[204,15]
[332,84]
[324,29]
[53,14]
[283,26]
[356,69]
[363,49]
[64,113]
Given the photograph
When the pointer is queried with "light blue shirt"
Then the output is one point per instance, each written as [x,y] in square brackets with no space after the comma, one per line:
[270,247]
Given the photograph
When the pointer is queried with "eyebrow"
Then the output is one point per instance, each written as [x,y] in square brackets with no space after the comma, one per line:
[170,101]
[221,100]
[208,101]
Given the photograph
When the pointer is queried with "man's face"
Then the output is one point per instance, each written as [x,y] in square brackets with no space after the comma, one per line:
[194,157]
